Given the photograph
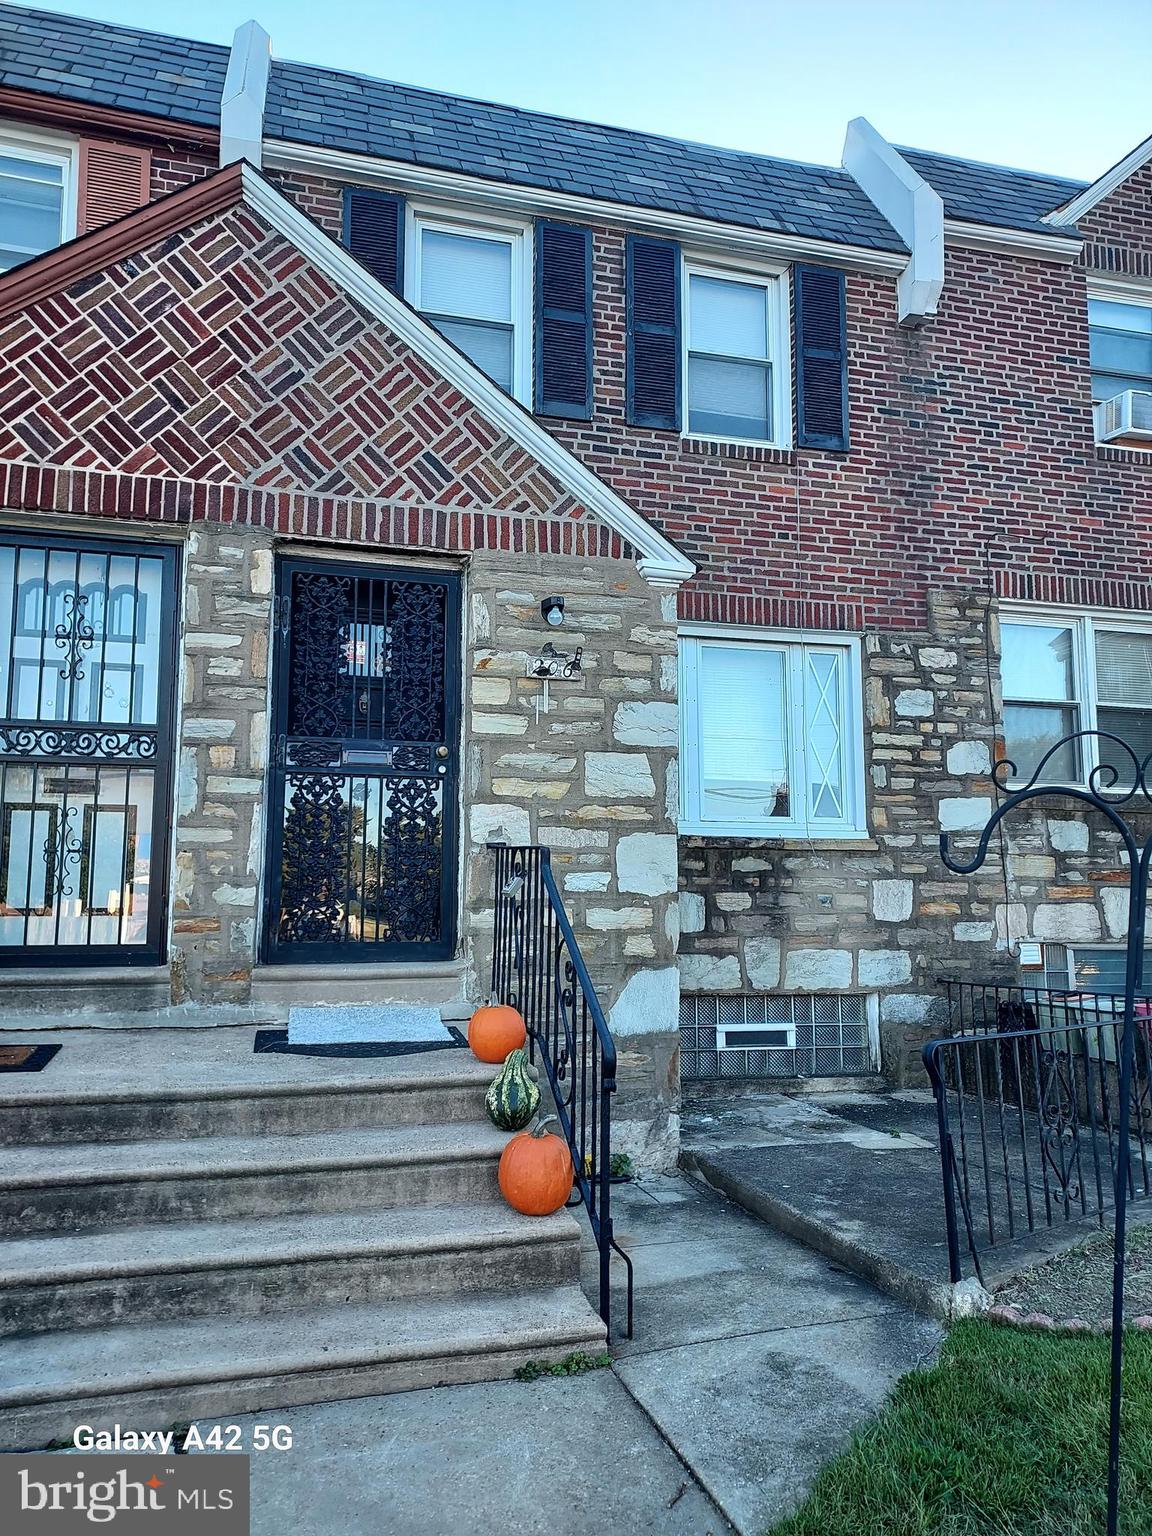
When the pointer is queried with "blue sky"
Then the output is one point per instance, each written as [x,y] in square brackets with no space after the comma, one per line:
[1050,85]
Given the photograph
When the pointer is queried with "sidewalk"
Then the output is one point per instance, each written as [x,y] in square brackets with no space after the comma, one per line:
[753,1362]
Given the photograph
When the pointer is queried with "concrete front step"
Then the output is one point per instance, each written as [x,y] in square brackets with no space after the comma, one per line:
[448,1088]
[247,1267]
[86,1185]
[151,1376]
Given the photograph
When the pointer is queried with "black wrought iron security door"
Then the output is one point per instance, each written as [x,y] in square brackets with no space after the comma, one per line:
[362,821]
[87,662]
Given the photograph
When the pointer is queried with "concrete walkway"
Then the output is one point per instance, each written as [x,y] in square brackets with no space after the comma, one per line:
[754,1360]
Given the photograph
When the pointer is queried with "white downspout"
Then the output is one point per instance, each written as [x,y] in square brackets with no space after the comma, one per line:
[242,99]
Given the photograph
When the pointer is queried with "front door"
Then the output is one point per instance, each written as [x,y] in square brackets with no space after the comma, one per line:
[87,664]
[362,813]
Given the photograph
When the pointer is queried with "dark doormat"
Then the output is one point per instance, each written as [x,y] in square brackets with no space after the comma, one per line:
[26,1058]
[276,1041]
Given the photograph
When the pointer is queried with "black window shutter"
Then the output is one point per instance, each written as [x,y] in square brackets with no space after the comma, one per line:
[652,304]
[821,358]
[564,321]
[374,233]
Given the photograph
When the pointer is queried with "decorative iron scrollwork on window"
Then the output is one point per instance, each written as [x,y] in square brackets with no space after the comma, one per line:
[314,865]
[319,616]
[95,742]
[75,635]
[411,862]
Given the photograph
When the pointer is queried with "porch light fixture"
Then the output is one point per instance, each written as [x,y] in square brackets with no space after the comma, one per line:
[552,611]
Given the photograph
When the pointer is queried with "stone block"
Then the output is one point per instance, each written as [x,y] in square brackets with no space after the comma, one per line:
[1068,922]
[969,757]
[609,919]
[498,725]
[709,973]
[884,967]
[732,901]
[649,1003]
[691,912]
[973,933]
[817,970]
[908,1008]
[646,863]
[590,880]
[491,690]
[964,813]
[531,789]
[1068,836]
[619,775]
[499,824]
[915,703]
[649,724]
[892,900]
[762,962]
[1115,900]
[936,659]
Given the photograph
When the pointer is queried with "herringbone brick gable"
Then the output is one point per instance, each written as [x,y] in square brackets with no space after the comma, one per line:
[222,356]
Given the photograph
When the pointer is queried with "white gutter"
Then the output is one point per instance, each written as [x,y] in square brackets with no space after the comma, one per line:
[243,96]
[913,209]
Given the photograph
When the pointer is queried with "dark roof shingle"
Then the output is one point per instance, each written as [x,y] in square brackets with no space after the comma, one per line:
[182,80]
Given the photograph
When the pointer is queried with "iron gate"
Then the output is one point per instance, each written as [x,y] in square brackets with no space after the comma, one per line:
[87,662]
[362,820]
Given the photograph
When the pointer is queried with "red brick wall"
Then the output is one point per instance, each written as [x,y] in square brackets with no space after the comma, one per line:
[1118,231]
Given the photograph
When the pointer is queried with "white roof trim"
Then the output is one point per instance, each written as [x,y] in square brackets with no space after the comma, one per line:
[914,210]
[659,562]
[1032,244]
[405,177]
[1085,201]
[245,90]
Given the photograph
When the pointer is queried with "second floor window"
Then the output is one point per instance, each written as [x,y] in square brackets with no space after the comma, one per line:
[470,282]
[731,345]
[1062,674]
[1120,339]
[33,202]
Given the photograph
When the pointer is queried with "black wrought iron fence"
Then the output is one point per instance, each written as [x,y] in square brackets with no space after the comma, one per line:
[537,967]
[1028,1104]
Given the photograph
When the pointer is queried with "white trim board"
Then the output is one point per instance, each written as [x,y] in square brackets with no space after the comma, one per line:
[1032,244]
[659,562]
[1112,178]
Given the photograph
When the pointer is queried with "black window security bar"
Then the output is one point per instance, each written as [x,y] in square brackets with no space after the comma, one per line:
[537,967]
[1028,1112]
[87,663]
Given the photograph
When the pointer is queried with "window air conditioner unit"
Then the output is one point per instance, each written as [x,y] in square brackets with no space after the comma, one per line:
[1126,415]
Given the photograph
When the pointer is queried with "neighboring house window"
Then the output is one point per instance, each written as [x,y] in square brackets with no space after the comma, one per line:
[1120,344]
[771,735]
[735,364]
[1092,968]
[472,283]
[1062,674]
[35,203]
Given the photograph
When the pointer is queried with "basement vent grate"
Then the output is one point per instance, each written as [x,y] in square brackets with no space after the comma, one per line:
[772,1037]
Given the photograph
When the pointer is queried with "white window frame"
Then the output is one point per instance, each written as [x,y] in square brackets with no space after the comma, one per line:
[50,149]
[515,233]
[796,642]
[777,281]
[1084,624]
[1117,290]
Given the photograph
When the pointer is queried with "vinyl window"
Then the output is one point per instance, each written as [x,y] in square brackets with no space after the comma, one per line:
[1061,674]
[736,364]
[771,735]
[472,281]
[1120,347]
[36,199]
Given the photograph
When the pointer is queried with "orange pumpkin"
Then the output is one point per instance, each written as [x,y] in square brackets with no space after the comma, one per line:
[494,1030]
[536,1171]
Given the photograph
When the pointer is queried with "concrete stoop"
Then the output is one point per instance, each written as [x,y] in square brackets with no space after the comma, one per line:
[187,1249]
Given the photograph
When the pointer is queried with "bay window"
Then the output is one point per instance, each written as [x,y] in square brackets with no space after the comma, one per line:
[471,282]
[736,365]
[1067,673]
[771,735]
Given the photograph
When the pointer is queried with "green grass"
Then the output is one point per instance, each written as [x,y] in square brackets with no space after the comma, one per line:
[1005,1436]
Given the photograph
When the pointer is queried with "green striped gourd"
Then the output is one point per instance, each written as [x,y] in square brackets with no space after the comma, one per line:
[513,1097]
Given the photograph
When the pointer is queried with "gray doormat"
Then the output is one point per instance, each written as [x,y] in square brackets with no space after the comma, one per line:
[389,1024]
[276,1041]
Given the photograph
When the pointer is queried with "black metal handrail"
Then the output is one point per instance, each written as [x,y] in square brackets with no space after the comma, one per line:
[1029,1121]
[537,967]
